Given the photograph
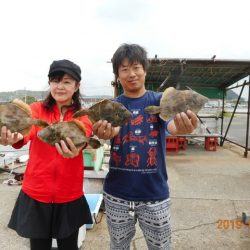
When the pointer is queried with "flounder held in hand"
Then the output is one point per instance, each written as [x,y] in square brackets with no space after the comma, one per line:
[16,116]
[176,101]
[113,112]
[72,129]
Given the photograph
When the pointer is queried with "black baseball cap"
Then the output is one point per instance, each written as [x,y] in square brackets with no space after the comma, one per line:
[67,67]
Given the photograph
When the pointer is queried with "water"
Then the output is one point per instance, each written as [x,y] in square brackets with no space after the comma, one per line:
[12,153]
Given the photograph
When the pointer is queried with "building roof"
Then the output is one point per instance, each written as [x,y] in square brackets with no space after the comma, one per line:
[207,76]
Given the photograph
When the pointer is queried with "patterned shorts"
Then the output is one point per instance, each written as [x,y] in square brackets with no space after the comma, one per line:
[153,218]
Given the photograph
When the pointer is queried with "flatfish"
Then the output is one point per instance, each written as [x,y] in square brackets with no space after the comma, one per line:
[176,101]
[16,116]
[73,129]
[113,112]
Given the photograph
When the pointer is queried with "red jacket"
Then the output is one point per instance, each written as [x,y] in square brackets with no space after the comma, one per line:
[49,177]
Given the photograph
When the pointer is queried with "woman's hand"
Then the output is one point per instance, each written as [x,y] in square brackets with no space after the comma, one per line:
[9,138]
[183,123]
[69,151]
[104,130]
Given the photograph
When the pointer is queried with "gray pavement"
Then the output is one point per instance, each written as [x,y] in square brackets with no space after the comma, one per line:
[209,192]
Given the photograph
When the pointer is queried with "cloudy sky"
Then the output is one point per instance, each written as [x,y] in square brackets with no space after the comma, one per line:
[34,33]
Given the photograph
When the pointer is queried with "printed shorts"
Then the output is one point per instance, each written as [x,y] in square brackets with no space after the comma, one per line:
[153,218]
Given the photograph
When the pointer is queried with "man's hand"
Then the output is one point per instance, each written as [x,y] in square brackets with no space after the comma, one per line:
[183,123]
[104,130]
[69,151]
[9,138]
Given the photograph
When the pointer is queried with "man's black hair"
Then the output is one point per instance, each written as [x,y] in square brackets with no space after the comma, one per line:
[133,52]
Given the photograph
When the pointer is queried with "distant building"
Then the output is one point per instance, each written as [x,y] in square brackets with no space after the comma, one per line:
[213,103]
[40,95]
[90,100]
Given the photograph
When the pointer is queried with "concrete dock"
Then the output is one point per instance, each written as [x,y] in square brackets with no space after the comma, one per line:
[209,192]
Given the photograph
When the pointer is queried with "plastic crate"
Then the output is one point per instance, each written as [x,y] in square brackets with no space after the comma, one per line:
[211,143]
[93,158]
[182,142]
[94,202]
[172,144]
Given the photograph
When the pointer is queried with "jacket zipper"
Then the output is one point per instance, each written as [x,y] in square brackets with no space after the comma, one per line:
[61,118]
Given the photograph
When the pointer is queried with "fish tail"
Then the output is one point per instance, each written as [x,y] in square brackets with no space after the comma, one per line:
[80,113]
[153,110]
[94,143]
[40,123]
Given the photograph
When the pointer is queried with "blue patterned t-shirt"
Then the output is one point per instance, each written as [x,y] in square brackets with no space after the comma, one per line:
[137,158]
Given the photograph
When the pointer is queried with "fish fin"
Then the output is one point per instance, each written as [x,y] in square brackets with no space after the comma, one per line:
[24,106]
[80,125]
[189,88]
[164,118]
[94,143]
[152,110]
[168,91]
[102,101]
[98,104]
[40,123]
[81,112]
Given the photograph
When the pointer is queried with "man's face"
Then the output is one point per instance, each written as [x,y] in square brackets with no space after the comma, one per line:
[132,77]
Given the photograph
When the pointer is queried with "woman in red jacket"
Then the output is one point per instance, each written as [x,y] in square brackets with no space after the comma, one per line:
[51,203]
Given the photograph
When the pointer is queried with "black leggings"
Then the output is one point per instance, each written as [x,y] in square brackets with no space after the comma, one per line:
[69,243]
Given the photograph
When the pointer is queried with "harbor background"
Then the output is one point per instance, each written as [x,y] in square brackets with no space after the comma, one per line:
[206,187]
[209,192]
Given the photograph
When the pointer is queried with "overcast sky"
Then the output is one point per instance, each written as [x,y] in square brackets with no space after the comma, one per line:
[34,33]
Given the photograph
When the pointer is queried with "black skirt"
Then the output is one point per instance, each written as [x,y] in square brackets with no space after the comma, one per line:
[38,220]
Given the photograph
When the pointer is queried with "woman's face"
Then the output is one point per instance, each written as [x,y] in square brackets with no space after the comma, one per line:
[62,90]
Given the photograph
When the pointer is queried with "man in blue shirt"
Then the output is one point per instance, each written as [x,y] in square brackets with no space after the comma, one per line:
[136,186]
